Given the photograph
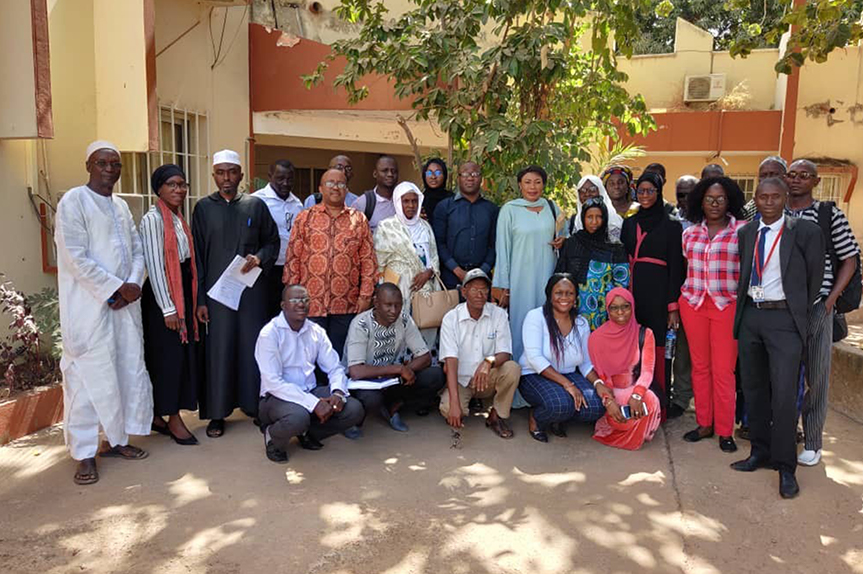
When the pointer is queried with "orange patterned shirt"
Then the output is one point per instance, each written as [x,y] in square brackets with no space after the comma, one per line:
[332,257]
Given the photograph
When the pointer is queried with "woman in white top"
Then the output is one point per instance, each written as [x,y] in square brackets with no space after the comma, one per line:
[557,376]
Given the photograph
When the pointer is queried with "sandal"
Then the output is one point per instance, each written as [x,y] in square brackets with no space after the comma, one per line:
[127,452]
[500,427]
[89,477]
[216,428]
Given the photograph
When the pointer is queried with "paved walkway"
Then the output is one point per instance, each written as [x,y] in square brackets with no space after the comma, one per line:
[408,503]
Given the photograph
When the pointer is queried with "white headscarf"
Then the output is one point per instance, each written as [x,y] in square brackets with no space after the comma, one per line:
[400,191]
[615,221]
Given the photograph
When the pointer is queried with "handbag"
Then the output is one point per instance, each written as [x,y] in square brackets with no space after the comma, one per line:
[428,309]
[840,327]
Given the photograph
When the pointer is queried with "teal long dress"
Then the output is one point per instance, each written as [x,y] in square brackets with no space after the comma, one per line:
[525,259]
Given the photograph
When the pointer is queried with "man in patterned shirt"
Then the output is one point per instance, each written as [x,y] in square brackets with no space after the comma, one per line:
[384,342]
[802,178]
[332,255]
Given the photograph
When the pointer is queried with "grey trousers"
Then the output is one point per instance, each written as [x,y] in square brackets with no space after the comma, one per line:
[285,420]
[423,393]
[681,385]
[819,348]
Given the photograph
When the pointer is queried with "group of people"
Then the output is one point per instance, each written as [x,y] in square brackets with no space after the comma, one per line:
[575,318]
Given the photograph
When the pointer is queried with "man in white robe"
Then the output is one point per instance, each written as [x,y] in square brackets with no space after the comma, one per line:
[100,269]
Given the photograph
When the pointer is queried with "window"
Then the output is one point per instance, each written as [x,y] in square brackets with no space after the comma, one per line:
[184,140]
[747,184]
[830,188]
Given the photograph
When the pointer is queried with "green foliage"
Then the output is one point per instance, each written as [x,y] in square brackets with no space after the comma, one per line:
[508,80]
[46,312]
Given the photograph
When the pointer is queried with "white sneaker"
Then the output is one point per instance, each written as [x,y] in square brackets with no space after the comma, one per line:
[809,457]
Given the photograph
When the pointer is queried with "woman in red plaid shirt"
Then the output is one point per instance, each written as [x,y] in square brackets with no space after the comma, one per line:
[707,303]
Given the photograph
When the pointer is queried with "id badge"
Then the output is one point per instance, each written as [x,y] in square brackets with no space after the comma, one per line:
[758,293]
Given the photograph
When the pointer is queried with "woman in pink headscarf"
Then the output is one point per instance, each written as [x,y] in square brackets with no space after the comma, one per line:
[623,354]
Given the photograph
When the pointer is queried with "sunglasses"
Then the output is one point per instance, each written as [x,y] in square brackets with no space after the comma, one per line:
[434,173]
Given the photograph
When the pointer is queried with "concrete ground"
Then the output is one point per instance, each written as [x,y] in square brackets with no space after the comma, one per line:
[408,503]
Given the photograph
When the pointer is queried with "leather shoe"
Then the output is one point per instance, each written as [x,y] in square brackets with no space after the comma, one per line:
[695,435]
[727,444]
[275,454]
[309,442]
[750,464]
[788,487]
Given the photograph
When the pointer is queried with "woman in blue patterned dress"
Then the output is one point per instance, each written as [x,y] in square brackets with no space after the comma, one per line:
[597,263]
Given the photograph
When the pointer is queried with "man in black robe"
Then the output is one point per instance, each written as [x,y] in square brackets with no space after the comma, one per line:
[226,224]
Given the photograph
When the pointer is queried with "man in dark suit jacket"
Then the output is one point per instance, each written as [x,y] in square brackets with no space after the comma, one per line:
[781,266]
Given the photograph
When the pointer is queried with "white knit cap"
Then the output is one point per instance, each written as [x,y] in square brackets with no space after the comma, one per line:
[100,144]
[226,156]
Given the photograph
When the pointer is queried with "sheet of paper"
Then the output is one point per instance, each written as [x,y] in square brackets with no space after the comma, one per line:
[229,287]
[371,384]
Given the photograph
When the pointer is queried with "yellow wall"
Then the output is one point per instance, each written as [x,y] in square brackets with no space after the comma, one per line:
[17,89]
[837,83]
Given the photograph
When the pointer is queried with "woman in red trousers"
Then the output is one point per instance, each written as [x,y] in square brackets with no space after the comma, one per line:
[707,303]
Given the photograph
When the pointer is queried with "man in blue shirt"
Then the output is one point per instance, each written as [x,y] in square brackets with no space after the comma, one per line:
[464,227]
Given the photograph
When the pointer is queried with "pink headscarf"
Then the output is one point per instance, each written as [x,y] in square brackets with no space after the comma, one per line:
[613,348]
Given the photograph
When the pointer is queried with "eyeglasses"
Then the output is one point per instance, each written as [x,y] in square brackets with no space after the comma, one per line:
[298,300]
[174,186]
[435,173]
[470,174]
[801,175]
[718,201]
[344,168]
[335,185]
[645,191]
[102,164]
[619,308]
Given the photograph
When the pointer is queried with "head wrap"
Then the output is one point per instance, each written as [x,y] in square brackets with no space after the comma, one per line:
[651,217]
[418,233]
[617,170]
[226,156]
[444,174]
[612,218]
[100,144]
[613,348]
[163,174]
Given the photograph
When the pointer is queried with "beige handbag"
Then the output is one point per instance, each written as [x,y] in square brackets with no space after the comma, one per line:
[428,309]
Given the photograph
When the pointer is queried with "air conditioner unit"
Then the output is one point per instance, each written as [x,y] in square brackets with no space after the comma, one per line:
[706,88]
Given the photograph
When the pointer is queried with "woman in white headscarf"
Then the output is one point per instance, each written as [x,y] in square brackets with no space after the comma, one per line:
[406,249]
[588,187]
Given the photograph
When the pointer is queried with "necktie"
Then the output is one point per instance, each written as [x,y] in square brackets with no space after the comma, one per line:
[762,241]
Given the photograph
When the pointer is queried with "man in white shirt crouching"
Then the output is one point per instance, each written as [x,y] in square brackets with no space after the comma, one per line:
[287,351]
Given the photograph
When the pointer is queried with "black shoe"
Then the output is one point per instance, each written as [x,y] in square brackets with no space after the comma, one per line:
[474,405]
[273,453]
[190,440]
[539,435]
[309,442]
[216,428]
[162,428]
[751,464]
[695,436]
[674,411]
[557,429]
[422,411]
[727,444]
[788,487]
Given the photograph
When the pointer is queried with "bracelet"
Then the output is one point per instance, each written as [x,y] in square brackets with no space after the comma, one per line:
[635,396]
[598,381]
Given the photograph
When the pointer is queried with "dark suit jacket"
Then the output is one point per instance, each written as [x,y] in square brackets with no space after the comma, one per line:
[801,257]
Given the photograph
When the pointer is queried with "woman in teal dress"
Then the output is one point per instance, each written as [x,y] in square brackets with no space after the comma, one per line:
[527,230]
[597,263]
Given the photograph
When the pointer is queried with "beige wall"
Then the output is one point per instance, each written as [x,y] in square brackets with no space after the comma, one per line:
[18,87]
[837,83]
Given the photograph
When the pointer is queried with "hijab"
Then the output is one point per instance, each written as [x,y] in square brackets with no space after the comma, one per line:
[613,220]
[418,232]
[613,348]
[650,218]
[584,247]
[445,175]
[434,195]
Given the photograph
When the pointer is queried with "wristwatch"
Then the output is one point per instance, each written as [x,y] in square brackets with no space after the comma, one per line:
[341,396]
[490,360]
[636,396]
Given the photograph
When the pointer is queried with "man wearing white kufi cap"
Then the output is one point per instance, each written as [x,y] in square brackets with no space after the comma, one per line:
[226,224]
[100,269]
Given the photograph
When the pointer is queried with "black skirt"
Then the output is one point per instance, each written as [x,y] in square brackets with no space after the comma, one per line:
[175,368]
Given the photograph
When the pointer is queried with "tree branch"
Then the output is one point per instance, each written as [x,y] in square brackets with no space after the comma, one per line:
[412,140]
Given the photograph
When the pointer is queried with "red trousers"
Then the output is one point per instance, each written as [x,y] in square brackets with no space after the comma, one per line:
[713,351]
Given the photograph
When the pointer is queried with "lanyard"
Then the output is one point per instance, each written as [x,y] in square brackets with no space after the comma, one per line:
[758,268]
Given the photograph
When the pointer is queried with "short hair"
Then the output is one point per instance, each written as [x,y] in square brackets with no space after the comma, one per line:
[291,286]
[656,168]
[775,181]
[685,179]
[386,156]
[808,163]
[533,169]
[695,199]
[773,159]
[281,163]
[388,287]
[712,168]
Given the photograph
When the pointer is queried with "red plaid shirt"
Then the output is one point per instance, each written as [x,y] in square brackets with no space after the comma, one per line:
[713,265]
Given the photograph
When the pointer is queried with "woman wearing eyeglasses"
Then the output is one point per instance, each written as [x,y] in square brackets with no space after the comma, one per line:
[653,242]
[707,303]
[434,180]
[169,300]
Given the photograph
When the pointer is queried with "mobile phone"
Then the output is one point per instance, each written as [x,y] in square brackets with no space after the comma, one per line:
[626,411]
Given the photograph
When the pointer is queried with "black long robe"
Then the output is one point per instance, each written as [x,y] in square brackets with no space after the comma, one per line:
[222,230]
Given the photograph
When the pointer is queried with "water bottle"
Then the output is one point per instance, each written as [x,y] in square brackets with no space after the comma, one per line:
[670,343]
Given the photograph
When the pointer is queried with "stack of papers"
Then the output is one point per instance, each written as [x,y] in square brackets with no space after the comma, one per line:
[229,287]
[371,384]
